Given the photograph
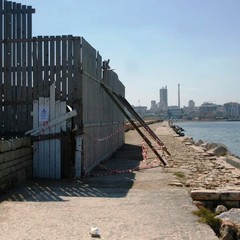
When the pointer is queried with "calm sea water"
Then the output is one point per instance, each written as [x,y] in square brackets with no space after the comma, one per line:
[226,132]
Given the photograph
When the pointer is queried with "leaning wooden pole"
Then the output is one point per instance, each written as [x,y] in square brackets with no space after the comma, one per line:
[142,122]
[132,122]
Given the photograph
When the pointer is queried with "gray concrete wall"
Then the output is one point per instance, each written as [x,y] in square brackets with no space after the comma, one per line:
[15,161]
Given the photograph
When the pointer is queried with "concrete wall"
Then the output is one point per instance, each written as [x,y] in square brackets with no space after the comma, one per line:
[15,161]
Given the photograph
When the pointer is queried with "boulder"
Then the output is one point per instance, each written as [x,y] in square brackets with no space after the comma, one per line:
[199,142]
[198,204]
[189,140]
[229,231]
[204,145]
[220,209]
[218,151]
[233,215]
[211,146]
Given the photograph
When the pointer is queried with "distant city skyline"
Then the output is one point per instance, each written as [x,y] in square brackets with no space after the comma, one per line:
[163,98]
[157,43]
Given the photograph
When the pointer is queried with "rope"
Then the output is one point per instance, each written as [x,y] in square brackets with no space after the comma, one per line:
[117,171]
[120,129]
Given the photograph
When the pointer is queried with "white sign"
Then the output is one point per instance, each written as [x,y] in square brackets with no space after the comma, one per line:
[43,114]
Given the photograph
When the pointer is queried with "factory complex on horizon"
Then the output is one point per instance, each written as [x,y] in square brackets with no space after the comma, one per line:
[206,111]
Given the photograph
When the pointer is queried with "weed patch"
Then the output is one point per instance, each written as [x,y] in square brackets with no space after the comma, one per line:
[208,217]
[179,174]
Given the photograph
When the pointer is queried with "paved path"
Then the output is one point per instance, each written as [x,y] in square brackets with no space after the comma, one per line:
[134,205]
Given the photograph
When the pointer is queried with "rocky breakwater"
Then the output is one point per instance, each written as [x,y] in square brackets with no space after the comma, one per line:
[206,170]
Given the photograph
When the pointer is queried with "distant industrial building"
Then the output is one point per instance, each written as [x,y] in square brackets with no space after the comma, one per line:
[179,104]
[174,112]
[207,110]
[232,110]
[153,105]
[191,106]
[141,110]
[163,104]
[190,109]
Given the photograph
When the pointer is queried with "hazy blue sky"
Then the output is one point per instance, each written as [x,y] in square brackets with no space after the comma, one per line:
[156,43]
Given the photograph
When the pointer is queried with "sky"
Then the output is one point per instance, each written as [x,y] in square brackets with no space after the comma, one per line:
[156,43]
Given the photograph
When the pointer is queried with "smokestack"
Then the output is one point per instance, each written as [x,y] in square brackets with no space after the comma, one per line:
[179,95]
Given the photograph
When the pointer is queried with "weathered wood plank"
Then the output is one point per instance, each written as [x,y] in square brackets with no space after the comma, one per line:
[14,65]
[46,155]
[40,82]
[78,156]
[35,144]
[52,143]
[58,143]
[61,160]
[2,113]
[29,67]
[88,58]
[64,79]
[52,63]
[19,64]
[7,59]
[35,69]
[30,11]
[41,148]
[58,68]
[23,115]
[52,123]
[63,113]
[70,70]
[46,82]
[78,84]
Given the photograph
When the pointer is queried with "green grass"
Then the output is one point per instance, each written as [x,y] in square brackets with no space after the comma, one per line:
[179,174]
[208,217]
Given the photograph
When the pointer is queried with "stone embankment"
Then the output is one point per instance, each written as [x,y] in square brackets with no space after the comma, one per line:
[206,170]
[201,167]
[15,161]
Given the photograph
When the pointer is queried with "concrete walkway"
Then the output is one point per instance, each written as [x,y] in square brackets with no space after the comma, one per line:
[144,204]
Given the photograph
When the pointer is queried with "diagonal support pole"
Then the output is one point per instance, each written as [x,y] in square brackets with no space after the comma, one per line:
[132,122]
[141,121]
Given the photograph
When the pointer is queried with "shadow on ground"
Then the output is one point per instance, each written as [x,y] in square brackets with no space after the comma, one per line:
[112,179]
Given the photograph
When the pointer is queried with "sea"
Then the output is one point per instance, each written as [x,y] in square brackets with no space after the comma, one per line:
[225,132]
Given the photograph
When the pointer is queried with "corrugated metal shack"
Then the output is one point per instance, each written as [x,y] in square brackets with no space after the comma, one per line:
[30,65]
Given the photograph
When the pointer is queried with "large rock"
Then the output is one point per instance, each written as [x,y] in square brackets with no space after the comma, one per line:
[220,209]
[229,231]
[230,228]
[202,195]
[199,142]
[218,151]
[188,139]
[232,215]
[207,146]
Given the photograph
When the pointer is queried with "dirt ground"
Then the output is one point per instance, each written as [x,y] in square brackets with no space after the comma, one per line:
[129,205]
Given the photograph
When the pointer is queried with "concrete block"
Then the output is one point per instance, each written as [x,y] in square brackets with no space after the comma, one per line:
[10,156]
[5,146]
[234,162]
[232,204]
[230,195]
[205,195]
[26,151]
[27,142]
[1,158]
[16,143]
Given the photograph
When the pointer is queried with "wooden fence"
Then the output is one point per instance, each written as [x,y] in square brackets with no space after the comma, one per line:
[31,64]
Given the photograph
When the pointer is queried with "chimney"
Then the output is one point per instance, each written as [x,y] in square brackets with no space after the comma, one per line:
[179,95]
